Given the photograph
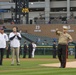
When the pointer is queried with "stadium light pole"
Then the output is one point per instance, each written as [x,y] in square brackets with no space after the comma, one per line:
[21,8]
[25,10]
[12,9]
[16,11]
[27,21]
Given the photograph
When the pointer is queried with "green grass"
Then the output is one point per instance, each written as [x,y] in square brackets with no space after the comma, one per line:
[31,67]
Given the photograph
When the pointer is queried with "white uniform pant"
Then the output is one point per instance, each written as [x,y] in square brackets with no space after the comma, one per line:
[15,51]
[33,53]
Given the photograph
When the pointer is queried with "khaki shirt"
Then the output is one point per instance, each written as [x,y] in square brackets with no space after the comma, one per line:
[63,38]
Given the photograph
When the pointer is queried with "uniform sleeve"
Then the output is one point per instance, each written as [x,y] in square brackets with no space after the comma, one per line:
[19,36]
[35,45]
[70,38]
[58,32]
[11,36]
[6,37]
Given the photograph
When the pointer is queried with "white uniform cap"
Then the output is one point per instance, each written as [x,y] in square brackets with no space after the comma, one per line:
[65,27]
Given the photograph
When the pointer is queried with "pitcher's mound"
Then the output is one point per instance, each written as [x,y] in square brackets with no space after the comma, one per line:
[68,65]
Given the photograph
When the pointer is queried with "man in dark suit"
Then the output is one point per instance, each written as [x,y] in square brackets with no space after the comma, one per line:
[54,49]
[8,50]
[25,50]
[30,50]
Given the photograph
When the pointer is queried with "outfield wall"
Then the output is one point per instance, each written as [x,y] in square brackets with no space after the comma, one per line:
[45,30]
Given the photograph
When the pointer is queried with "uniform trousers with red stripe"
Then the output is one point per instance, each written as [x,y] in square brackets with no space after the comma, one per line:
[62,54]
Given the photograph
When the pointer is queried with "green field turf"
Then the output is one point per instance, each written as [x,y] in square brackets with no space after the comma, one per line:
[31,67]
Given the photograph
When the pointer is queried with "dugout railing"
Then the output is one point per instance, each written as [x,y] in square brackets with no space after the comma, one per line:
[47,50]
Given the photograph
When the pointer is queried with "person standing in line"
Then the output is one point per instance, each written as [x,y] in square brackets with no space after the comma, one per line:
[30,49]
[15,38]
[54,49]
[34,48]
[64,39]
[25,49]
[3,44]
[20,51]
[8,50]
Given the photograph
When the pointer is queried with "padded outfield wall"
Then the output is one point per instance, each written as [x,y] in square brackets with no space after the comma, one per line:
[45,30]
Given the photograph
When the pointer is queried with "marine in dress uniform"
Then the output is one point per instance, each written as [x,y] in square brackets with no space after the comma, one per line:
[64,39]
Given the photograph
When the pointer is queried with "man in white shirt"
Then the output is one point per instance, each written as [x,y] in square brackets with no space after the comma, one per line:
[15,38]
[3,40]
[34,48]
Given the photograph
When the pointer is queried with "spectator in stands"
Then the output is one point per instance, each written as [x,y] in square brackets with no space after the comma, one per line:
[3,41]
[12,22]
[15,38]
[34,48]
[42,43]
[38,40]
[49,22]
[45,42]
[25,49]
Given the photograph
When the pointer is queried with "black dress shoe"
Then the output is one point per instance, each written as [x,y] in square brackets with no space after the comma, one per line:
[18,64]
[23,57]
[0,64]
[61,67]
[12,64]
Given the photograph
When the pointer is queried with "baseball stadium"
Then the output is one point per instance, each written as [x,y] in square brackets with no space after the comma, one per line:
[37,37]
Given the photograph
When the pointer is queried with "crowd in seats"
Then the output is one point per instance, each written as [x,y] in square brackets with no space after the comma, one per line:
[1,21]
[71,21]
[40,21]
[56,21]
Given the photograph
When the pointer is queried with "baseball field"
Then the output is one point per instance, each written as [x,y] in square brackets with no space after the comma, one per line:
[33,66]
